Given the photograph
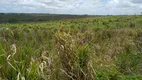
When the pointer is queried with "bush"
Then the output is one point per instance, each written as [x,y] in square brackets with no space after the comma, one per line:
[74,57]
[13,20]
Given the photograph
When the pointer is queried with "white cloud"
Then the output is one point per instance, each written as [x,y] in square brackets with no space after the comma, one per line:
[72,6]
[125,3]
[136,1]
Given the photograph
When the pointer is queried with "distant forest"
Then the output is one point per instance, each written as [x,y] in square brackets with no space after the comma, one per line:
[34,17]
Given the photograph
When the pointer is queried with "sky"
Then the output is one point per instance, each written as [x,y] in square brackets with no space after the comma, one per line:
[91,7]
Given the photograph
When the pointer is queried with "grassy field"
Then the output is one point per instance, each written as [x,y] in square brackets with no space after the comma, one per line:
[93,48]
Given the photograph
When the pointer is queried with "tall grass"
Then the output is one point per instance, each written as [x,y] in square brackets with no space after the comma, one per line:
[82,49]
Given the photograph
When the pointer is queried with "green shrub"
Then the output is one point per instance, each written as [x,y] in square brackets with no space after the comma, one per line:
[13,20]
[129,64]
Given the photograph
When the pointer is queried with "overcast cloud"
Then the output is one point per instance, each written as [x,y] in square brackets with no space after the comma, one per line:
[96,7]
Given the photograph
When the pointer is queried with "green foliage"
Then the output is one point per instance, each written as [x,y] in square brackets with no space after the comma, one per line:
[129,63]
[13,20]
[83,55]
[93,48]
[74,57]
[137,77]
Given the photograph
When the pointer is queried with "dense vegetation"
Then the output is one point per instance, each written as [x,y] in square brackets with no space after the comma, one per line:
[25,17]
[94,48]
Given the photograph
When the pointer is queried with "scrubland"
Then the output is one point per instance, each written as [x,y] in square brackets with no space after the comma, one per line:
[93,48]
